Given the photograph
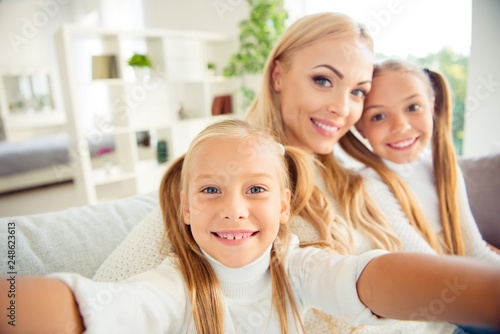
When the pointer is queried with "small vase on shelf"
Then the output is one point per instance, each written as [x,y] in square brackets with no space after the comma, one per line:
[142,73]
[142,66]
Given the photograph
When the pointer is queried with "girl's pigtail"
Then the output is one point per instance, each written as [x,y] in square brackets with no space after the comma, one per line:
[203,286]
[445,162]
[170,203]
[356,149]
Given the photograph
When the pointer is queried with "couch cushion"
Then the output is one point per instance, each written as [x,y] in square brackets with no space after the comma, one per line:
[73,240]
[482,177]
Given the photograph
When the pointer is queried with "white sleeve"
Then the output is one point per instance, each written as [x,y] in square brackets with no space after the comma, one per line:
[476,246]
[152,302]
[383,197]
[327,282]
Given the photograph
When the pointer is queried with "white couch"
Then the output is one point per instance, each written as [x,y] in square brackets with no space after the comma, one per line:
[80,239]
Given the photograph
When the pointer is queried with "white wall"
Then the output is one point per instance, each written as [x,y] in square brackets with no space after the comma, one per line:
[27,27]
[481,135]
[220,16]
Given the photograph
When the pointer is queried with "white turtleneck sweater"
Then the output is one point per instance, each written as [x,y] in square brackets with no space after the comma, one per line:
[419,177]
[157,301]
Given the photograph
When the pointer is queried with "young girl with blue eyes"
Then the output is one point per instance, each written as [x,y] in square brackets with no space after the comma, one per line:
[407,121]
[235,268]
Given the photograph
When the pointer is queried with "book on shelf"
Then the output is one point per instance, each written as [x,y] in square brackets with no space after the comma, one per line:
[222,105]
[104,67]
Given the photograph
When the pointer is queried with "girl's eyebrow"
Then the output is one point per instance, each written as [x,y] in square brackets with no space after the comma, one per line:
[404,100]
[208,176]
[412,96]
[373,107]
[222,177]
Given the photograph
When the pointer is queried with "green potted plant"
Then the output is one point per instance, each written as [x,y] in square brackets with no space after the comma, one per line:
[211,67]
[258,34]
[141,65]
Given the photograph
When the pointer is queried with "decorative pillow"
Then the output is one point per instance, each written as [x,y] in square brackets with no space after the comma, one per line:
[139,252]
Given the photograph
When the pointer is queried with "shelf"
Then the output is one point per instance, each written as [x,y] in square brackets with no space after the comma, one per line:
[217,79]
[102,176]
[108,82]
[132,115]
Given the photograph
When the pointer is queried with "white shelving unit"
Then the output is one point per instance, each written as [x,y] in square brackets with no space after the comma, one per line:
[131,116]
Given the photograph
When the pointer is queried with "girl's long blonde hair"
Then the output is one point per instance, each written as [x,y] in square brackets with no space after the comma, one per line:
[346,187]
[444,163]
[294,170]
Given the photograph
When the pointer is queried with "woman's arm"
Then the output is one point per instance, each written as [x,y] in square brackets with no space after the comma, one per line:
[411,286]
[38,305]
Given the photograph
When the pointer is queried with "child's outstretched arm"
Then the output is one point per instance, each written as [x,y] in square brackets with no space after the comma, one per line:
[38,305]
[410,286]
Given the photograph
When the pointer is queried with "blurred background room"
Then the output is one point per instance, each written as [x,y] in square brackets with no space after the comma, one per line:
[98,96]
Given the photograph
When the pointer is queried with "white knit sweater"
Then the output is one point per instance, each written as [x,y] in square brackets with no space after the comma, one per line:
[157,301]
[419,177]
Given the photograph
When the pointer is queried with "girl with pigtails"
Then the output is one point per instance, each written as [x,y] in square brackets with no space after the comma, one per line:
[235,268]
[407,121]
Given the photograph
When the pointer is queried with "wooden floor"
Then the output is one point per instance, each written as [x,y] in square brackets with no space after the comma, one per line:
[38,200]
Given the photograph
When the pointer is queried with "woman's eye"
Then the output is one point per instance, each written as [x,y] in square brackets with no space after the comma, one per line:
[255,190]
[414,107]
[322,81]
[359,93]
[211,190]
[378,117]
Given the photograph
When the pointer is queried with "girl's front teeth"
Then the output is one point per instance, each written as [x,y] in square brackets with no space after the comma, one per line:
[237,236]
[405,143]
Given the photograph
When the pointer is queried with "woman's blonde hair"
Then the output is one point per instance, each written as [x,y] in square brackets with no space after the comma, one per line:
[346,187]
[294,170]
[444,161]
